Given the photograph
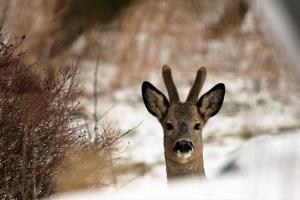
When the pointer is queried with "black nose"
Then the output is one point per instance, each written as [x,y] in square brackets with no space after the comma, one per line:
[183,146]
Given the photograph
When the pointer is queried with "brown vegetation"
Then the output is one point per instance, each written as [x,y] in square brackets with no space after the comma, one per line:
[40,125]
[90,165]
[37,108]
[222,35]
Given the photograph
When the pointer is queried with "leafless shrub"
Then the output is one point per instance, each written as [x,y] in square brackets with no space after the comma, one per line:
[37,108]
[44,148]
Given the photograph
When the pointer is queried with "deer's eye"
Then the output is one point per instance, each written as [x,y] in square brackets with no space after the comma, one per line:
[169,126]
[197,126]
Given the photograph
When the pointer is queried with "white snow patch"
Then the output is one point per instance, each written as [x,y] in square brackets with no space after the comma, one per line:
[267,168]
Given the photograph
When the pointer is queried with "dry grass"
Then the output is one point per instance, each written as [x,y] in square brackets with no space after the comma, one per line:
[53,26]
[92,164]
[74,175]
[225,38]
[223,35]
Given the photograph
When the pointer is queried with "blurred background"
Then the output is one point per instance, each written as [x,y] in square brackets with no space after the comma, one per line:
[109,48]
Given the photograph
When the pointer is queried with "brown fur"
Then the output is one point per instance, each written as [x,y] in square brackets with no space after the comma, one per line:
[177,114]
[183,121]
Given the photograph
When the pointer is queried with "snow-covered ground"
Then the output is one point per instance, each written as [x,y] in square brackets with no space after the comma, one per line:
[246,113]
[251,147]
[266,167]
[237,160]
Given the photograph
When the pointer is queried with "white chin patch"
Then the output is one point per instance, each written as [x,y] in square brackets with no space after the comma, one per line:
[184,156]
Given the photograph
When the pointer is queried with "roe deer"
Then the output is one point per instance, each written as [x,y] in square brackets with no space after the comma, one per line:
[183,122]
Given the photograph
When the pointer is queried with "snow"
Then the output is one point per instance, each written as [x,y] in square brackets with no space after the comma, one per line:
[251,147]
[267,167]
[262,167]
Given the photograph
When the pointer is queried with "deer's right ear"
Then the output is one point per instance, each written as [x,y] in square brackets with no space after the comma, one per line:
[154,100]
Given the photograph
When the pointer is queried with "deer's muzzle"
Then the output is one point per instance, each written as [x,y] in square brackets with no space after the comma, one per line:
[183,148]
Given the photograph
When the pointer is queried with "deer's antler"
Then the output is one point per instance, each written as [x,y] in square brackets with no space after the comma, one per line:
[171,88]
[197,85]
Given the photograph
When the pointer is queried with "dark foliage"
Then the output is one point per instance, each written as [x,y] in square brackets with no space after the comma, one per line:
[74,18]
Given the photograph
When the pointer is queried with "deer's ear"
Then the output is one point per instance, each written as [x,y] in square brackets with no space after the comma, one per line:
[154,100]
[210,103]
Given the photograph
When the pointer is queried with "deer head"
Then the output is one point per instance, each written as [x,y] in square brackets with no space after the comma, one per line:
[183,122]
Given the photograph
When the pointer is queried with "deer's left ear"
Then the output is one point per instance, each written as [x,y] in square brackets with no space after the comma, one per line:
[210,103]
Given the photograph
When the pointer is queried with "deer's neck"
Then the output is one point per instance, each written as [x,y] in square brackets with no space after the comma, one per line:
[193,168]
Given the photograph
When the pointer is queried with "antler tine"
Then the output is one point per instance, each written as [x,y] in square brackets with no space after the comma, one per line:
[171,88]
[197,85]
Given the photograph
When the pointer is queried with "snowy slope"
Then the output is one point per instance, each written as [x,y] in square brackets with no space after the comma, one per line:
[267,167]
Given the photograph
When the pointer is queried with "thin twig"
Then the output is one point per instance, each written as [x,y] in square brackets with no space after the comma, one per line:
[106,112]
[130,130]
[95,93]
